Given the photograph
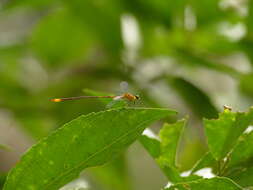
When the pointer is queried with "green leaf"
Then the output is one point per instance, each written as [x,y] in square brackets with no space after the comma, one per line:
[160,11]
[249,20]
[90,140]
[217,183]
[243,151]
[4,147]
[152,145]
[116,104]
[222,134]
[207,11]
[170,135]
[165,151]
[207,160]
[102,19]
[240,161]
[243,176]
[195,98]
[200,61]
[114,174]
[61,38]
[245,84]
[2,179]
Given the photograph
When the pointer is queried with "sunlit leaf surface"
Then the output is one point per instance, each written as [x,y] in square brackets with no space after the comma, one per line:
[87,141]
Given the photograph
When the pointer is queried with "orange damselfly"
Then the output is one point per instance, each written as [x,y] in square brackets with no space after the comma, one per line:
[127,96]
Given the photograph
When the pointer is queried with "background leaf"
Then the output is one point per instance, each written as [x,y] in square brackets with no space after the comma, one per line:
[4,147]
[104,22]
[68,40]
[195,98]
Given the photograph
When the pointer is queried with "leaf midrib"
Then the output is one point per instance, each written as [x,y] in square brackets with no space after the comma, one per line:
[96,153]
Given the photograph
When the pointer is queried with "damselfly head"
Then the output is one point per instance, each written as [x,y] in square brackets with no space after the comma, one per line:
[137,97]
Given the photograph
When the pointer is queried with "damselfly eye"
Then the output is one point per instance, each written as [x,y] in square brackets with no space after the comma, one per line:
[137,97]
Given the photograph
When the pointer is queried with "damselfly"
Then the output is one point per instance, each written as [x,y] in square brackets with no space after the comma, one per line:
[126,96]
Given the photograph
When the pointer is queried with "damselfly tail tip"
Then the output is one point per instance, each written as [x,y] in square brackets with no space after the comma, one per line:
[56,100]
